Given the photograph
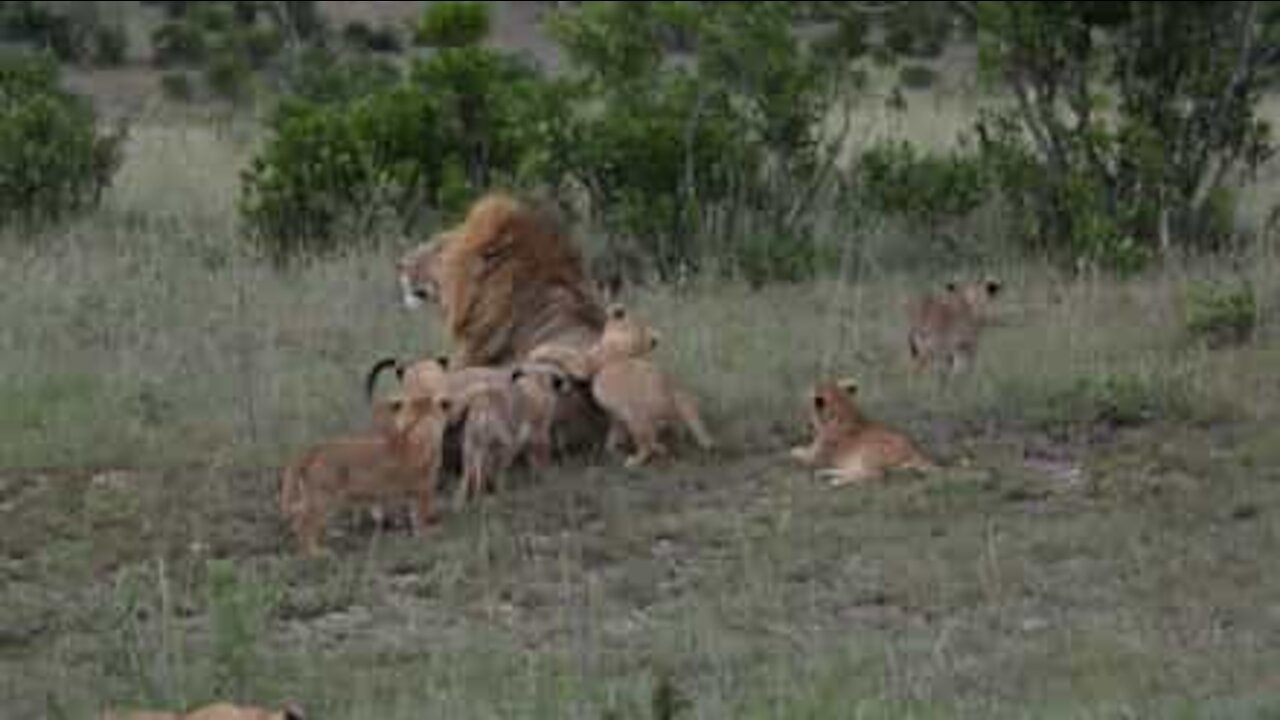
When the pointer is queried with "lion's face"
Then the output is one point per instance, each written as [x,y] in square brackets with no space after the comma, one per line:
[418,272]
[831,402]
[977,294]
[626,336]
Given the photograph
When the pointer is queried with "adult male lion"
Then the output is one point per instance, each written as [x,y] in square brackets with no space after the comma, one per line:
[505,280]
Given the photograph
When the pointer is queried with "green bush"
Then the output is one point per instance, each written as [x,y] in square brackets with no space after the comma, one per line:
[324,76]
[1221,316]
[230,75]
[896,179]
[329,171]
[178,42]
[762,259]
[453,24]
[54,162]
[110,45]
[24,21]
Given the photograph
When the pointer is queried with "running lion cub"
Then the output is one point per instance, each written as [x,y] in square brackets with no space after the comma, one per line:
[849,447]
[640,398]
[400,459]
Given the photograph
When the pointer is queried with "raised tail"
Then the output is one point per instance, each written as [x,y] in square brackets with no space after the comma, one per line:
[371,378]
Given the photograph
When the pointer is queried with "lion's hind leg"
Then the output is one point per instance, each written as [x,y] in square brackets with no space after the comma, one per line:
[687,409]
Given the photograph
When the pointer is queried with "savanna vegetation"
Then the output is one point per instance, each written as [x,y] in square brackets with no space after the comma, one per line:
[194,286]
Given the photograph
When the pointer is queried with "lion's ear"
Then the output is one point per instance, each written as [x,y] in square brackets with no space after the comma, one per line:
[559,384]
[517,373]
[819,402]
[951,286]
[993,287]
[849,385]
[293,712]
[443,361]
[445,404]
[654,338]
[617,311]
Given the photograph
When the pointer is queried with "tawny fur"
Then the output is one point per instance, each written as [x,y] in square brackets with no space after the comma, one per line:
[505,422]
[849,447]
[640,398]
[507,279]
[215,711]
[399,459]
[946,326]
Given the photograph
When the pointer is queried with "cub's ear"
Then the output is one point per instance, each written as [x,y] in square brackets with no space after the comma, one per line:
[655,337]
[559,383]
[443,360]
[445,404]
[517,373]
[293,712]
[395,405]
[617,311]
[951,286]
[819,402]
[848,385]
[993,287]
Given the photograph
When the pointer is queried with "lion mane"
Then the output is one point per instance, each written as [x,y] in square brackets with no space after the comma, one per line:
[510,278]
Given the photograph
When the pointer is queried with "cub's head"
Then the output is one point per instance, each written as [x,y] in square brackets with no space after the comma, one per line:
[418,272]
[624,335]
[543,379]
[831,402]
[424,377]
[399,413]
[977,294]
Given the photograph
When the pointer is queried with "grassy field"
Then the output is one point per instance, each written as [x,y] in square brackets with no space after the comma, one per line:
[1100,543]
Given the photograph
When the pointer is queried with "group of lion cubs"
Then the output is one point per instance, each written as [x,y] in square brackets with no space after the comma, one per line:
[506,414]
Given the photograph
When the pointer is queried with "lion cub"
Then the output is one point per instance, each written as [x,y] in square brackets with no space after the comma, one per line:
[847,446]
[640,399]
[216,711]
[504,422]
[402,457]
[947,325]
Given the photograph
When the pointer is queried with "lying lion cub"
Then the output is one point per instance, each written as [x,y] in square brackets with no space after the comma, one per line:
[400,458]
[848,447]
[640,399]
[216,711]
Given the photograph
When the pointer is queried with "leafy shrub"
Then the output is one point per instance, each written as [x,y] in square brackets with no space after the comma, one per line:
[359,35]
[453,24]
[762,259]
[29,22]
[261,43]
[54,161]
[229,75]
[110,45]
[324,76]
[329,170]
[1221,316]
[896,179]
[178,42]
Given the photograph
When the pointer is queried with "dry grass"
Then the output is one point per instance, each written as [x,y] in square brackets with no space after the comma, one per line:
[1097,547]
